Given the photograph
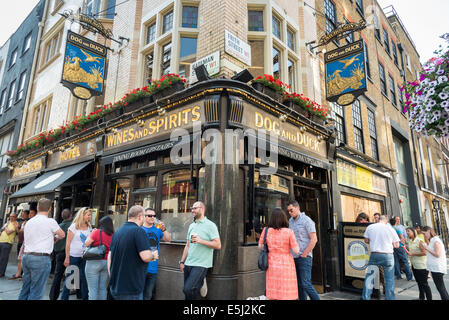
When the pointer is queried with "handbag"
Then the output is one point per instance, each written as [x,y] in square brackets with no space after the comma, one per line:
[95,253]
[262,263]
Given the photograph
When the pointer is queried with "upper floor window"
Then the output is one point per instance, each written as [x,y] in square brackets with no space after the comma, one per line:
[291,39]
[167,22]
[386,41]
[383,81]
[392,90]
[373,134]
[339,116]
[276,63]
[395,53]
[368,67]
[189,17]
[276,27]
[151,33]
[166,58]
[12,90]
[376,26]
[357,124]
[2,101]
[331,15]
[40,116]
[93,8]
[350,35]
[359,6]
[255,20]
[13,57]
[110,9]
[52,46]
[5,146]
[27,42]
[20,91]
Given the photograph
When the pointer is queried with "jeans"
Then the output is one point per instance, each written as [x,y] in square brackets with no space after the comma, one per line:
[5,249]
[81,264]
[423,286]
[150,282]
[439,283]
[304,277]
[128,296]
[400,257]
[59,273]
[387,262]
[97,278]
[193,281]
[36,270]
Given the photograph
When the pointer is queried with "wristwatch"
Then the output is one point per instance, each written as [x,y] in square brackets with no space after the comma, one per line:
[181,262]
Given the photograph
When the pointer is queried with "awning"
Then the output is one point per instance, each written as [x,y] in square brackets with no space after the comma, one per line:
[49,181]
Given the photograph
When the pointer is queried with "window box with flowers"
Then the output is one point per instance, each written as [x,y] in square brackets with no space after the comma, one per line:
[427,99]
[112,111]
[136,99]
[270,86]
[166,86]
[308,108]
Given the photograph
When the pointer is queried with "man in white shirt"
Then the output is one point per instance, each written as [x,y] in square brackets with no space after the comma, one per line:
[39,236]
[382,238]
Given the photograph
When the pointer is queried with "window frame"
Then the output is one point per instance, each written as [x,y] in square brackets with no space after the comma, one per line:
[357,124]
[13,58]
[22,84]
[182,16]
[383,80]
[27,42]
[372,128]
[386,41]
[327,13]
[170,21]
[11,94]
[392,90]
[338,113]
[42,119]
[261,12]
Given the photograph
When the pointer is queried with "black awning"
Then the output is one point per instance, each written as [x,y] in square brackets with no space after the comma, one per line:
[49,181]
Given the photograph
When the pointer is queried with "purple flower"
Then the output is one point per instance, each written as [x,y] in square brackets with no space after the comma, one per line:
[422,76]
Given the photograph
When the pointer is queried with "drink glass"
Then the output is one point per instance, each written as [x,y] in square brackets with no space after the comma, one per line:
[153,250]
[157,223]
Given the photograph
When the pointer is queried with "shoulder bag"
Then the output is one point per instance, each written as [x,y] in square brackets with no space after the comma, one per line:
[262,263]
[95,253]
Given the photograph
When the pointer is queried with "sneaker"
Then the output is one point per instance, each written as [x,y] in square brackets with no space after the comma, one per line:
[203,290]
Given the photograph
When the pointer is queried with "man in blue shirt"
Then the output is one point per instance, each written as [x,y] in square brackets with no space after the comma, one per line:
[128,258]
[400,256]
[155,234]
[305,233]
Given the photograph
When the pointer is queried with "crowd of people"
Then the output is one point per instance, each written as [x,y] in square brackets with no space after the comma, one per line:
[128,267]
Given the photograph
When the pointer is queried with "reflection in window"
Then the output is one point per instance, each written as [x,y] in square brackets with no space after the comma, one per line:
[189,17]
[276,63]
[149,66]
[151,33]
[255,20]
[276,27]
[178,195]
[118,202]
[167,22]
[187,55]
[291,74]
[270,192]
[166,58]
[291,39]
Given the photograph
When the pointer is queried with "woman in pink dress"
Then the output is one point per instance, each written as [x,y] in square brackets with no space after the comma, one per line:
[281,283]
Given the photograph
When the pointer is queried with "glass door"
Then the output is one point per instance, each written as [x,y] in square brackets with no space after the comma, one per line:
[118,201]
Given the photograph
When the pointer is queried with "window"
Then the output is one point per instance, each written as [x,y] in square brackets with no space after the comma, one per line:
[40,116]
[167,22]
[13,57]
[330,12]
[118,201]
[339,116]
[52,46]
[376,27]
[151,33]
[409,64]
[110,10]
[359,6]
[92,8]
[291,39]
[149,66]
[368,68]
[255,20]
[187,55]
[373,134]
[395,53]
[393,91]
[178,196]
[357,123]
[383,81]
[145,191]
[386,41]
[350,35]
[12,90]
[189,17]
[291,74]
[276,63]
[27,43]
[2,101]
[276,27]
[22,80]
[166,58]
[5,146]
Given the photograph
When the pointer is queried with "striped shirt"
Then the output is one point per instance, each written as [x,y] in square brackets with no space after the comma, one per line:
[302,226]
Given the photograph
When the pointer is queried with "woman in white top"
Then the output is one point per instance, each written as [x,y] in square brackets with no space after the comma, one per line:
[76,235]
[436,260]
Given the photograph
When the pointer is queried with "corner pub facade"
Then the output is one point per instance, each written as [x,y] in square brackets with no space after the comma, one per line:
[126,161]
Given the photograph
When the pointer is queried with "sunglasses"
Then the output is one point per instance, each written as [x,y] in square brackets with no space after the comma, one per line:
[150,215]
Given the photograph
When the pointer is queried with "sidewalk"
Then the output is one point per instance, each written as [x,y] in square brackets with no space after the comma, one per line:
[404,290]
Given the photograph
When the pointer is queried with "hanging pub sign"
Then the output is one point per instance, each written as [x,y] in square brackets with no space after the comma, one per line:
[87,23]
[84,66]
[342,32]
[345,73]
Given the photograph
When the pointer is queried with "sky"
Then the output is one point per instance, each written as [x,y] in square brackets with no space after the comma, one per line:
[425,21]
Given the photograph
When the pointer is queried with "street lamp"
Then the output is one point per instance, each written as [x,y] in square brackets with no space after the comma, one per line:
[436,207]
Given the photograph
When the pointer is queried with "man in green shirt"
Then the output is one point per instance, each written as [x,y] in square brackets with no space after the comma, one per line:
[59,250]
[202,240]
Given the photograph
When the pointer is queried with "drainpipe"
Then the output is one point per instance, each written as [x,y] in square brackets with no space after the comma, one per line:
[33,68]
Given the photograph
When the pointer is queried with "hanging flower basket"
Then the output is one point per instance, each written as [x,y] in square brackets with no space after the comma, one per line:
[166,86]
[427,99]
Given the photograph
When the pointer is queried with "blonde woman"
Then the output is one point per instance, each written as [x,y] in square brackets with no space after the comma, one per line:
[76,235]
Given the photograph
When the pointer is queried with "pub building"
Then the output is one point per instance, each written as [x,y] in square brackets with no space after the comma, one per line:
[128,161]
